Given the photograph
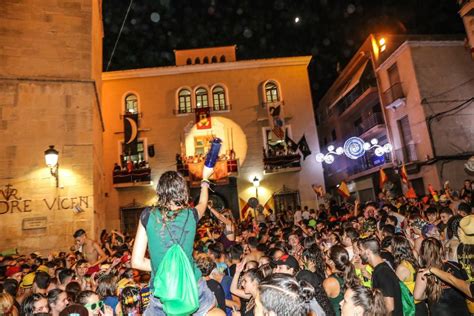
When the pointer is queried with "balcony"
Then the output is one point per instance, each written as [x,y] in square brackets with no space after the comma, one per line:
[394,97]
[357,94]
[224,108]
[137,177]
[374,120]
[191,168]
[367,164]
[406,153]
[280,164]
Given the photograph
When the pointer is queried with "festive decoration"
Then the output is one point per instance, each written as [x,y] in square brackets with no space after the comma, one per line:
[404,175]
[203,118]
[343,190]
[433,193]
[354,148]
[304,147]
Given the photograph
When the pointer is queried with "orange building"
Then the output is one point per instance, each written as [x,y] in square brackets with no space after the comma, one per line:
[233,99]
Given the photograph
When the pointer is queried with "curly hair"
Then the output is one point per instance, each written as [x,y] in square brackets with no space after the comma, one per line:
[171,189]
[315,256]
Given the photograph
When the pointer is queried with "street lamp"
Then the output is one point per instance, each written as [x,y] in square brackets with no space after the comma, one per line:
[382,44]
[51,156]
[256,184]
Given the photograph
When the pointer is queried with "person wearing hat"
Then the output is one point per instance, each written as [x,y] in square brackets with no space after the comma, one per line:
[14,272]
[466,247]
[28,280]
[287,264]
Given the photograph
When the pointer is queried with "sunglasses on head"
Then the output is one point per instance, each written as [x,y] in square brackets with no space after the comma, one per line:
[94,306]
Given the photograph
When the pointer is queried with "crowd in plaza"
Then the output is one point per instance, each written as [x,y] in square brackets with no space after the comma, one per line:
[385,257]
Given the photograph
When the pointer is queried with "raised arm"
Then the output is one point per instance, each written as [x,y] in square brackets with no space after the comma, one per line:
[462,285]
[234,288]
[204,196]
[219,216]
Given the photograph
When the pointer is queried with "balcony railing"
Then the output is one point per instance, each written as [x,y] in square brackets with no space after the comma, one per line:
[406,153]
[372,121]
[353,95]
[140,176]
[221,108]
[283,163]
[393,93]
[367,162]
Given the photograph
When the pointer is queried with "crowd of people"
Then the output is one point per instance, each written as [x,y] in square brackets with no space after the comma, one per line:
[385,257]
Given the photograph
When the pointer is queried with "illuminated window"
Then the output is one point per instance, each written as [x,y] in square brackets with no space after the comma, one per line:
[135,158]
[201,98]
[131,104]
[184,101]
[271,92]
[218,96]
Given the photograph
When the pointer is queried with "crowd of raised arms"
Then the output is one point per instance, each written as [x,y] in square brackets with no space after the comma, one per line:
[385,257]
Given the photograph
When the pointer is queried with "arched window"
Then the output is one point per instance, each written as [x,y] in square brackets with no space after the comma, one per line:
[184,101]
[214,59]
[206,60]
[197,60]
[222,59]
[271,92]
[189,61]
[218,97]
[131,104]
[201,98]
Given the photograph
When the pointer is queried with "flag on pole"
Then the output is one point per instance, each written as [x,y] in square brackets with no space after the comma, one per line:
[244,209]
[290,143]
[343,190]
[304,147]
[383,178]
[411,194]
[404,175]
[433,193]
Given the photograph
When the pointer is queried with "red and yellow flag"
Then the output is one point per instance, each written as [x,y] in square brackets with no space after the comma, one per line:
[433,193]
[404,175]
[383,178]
[343,190]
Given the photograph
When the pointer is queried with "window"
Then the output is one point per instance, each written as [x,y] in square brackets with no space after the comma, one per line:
[214,59]
[131,104]
[202,144]
[197,60]
[206,60]
[201,98]
[393,74]
[271,92]
[184,101]
[222,59]
[139,157]
[189,61]
[218,96]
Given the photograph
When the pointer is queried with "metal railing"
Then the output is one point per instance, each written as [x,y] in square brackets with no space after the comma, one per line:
[371,121]
[138,175]
[226,107]
[353,95]
[393,93]
[406,153]
[368,161]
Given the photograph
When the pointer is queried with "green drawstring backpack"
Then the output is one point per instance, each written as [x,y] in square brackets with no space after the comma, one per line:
[174,281]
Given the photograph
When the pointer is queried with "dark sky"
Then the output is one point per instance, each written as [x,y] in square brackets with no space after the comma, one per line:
[329,30]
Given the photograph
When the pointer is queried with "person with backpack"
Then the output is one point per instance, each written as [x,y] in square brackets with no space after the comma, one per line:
[168,230]
[383,277]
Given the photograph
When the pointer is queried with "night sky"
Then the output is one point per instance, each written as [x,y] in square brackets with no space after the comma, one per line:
[329,30]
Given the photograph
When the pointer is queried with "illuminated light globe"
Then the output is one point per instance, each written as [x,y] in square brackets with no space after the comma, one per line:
[354,148]
[320,157]
[329,159]
[379,151]
[339,150]
[374,141]
[330,148]
[366,146]
[387,148]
